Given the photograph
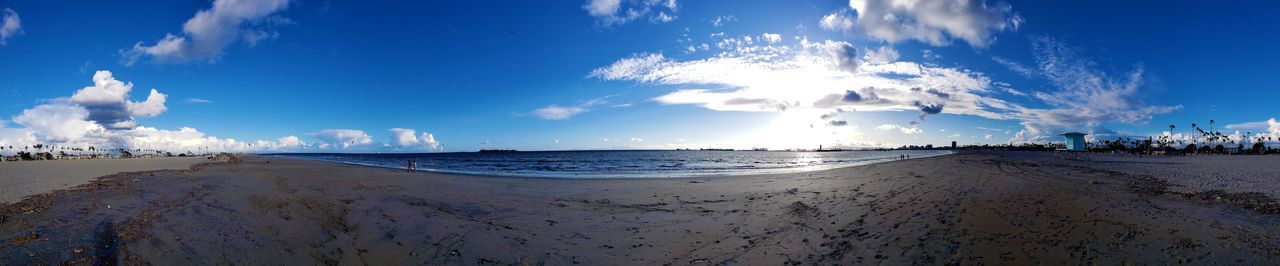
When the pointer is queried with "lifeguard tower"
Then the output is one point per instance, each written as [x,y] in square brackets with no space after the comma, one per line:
[1075,147]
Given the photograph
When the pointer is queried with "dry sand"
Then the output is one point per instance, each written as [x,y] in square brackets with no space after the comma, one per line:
[1230,173]
[21,179]
[964,208]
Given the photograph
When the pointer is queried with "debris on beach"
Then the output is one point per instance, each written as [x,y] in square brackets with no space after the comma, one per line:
[1254,201]
[226,158]
[803,210]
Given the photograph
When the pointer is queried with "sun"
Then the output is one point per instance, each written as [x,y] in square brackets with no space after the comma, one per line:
[795,128]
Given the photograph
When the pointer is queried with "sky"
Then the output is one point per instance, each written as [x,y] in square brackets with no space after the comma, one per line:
[442,76]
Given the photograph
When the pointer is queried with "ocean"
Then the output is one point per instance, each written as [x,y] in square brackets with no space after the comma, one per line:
[619,164]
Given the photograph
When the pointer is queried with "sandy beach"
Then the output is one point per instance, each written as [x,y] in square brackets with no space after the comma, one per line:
[21,179]
[971,207]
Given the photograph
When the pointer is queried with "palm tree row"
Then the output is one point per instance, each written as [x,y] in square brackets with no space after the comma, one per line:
[48,152]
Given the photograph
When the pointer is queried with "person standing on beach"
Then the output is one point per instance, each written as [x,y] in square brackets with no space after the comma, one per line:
[410,166]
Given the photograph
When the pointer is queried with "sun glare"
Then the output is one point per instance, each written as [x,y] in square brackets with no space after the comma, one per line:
[794,129]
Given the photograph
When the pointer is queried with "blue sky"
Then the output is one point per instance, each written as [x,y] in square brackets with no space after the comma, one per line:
[414,76]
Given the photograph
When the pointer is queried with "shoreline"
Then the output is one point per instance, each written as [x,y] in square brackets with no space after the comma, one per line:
[980,207]
[782,171]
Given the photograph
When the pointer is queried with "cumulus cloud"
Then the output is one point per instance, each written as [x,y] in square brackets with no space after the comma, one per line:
[851,96]
[929,109]
[883,55]
[67,125]
[77,122]
[618,12]
[10,25]
[57,122]
[210,31]
[408,138]
[108,102]
[932,22]
[345,138]
[839,21]
[1270,132]
[844,56]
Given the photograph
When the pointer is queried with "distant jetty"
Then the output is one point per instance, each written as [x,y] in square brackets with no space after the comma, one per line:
[820,149]
[712,149]
[497,150]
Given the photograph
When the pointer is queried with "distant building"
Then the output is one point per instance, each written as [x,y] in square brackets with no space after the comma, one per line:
[953,144]
[1075,141]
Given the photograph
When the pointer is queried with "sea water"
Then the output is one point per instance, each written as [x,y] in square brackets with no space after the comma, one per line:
[620,164]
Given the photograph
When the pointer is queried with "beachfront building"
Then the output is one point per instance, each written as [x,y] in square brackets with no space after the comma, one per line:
[1075,141]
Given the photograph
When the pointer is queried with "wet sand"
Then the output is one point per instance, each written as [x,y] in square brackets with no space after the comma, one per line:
[997,208]
[21,179]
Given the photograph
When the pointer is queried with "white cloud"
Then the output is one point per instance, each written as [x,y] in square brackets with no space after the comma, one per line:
[57,122]
[838,21]
[805,75]
[197,100]
[191,140]
[1014,66]
[904,130]
[408,138]
[108,104]
[1085,95]
[771,38]
[556,112]
[600,8]
[815,77]
[10,25]
[844,56]
[932,22]
[1270,126]
[291,141]
[720,20]
[618,12]
[662,17]
[345,138]
[210,31]
[71,122]
[883,55]
[68,125]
